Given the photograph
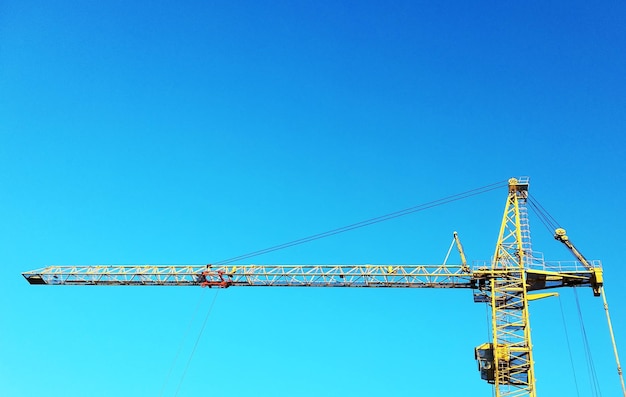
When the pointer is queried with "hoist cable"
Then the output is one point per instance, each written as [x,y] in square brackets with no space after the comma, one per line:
[195,346]
[569,347]
[182,342]
[368,222]
[593,378]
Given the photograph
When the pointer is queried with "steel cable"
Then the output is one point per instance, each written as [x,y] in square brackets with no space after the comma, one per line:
[368,222]
[195,346]
[182,342]
[569,347]
[544,216]
[593,377]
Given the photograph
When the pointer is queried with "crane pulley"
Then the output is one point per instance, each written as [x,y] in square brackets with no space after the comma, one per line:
[507,284]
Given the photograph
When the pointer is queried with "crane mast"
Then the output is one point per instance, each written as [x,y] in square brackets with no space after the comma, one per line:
[511,369]
[505,284]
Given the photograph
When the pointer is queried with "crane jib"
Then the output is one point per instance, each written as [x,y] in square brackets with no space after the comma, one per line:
[389,276]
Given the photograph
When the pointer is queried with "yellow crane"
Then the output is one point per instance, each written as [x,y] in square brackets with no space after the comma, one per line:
[507,284]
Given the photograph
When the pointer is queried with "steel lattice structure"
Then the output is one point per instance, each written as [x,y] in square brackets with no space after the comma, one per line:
[511,344]
[391,276]
[504,284]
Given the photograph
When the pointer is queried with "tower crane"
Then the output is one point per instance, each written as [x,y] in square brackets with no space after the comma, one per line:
[513,278]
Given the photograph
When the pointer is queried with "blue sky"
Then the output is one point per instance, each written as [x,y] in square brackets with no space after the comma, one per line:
[191,132]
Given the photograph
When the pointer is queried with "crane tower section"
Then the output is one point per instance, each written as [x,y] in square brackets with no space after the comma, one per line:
[507,360]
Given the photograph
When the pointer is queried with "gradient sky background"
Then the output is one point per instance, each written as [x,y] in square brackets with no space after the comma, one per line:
[194,131]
